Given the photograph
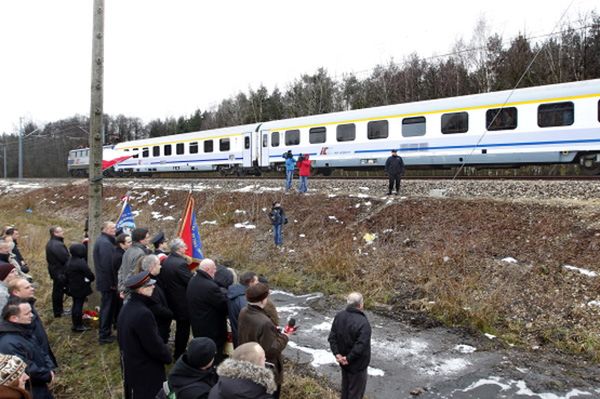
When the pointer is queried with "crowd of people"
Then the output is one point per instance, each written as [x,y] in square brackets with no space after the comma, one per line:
[236,344]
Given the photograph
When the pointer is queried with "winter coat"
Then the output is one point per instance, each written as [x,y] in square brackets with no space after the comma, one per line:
[271,310]
[3,294]
[79,274]
[236,296]
[104,252]
[143,352]
[19,257]
[18,339]
[394,166]
[277,216]
[290,164]
[223,277]
[239,379]
[130,257]
[255,326]
[208,308]
[39,332]
[57,256]
[116,262]
[191,383]
[7,392]
[304,166]
[350,336]
[174,278]
[162,313]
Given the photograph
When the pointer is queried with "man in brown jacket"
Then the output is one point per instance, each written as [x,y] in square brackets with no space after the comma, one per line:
[255,326]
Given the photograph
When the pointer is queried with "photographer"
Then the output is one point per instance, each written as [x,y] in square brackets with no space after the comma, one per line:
[290,165]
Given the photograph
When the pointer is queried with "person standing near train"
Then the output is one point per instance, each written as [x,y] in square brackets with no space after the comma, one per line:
[394,167]
[290,166]
[304,172]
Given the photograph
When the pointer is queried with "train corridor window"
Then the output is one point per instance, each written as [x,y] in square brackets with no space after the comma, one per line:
[501,118]
[208,146]
[156,151]
[179,148]
[224,145]
[317,135]
[167,150]
[456,122]
[275,139]
[377,130]
[246,142]
[145,152]
[292,137]
[345,132]
[265,140]
[414,126]
[556,114]
[137,155]
[194,147]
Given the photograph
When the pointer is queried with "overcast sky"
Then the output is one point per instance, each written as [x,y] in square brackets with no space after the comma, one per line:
[170,57]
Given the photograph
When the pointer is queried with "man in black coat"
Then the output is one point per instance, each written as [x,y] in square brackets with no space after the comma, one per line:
[208,306]
[394,167]
[174,279]
[350,342]
[143,352]
[57,256]
[236,295]
[17,338]
[79,281]
[106,280]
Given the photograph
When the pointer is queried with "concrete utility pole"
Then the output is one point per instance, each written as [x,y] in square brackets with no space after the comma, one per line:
[96,111]
[20,148]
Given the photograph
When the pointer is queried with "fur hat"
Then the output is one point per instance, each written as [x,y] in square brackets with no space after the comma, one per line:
[257,292]
[11,368]
[200,352]
[5,268]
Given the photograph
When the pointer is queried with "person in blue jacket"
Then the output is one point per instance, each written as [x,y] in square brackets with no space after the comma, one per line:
[278,219]
[290,165]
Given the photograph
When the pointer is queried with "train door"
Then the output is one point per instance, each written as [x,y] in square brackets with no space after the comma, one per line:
[264,148]
[247,151]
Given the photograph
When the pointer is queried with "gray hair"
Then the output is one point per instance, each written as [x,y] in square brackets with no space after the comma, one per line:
[355,299]
[148,261]
[176,244]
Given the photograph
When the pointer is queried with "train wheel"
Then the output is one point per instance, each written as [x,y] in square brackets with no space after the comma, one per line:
[592,170]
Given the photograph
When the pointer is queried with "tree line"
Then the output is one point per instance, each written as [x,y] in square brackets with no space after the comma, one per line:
[482,64]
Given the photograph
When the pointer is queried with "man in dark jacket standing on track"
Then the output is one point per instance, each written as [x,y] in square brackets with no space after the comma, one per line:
[143,352]
[208,306]
[57,256]
[106,280]
[350,342]
[174,278]
[394,167]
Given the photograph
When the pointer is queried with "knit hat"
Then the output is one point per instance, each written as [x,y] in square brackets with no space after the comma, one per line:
[5,268]
[200,352]
[257,292]
[11,368]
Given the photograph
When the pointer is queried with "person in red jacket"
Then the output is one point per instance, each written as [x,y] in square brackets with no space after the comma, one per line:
[304,172]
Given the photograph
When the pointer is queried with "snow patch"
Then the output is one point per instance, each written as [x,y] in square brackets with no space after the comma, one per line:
[490,336]
[509,259]
[594,303]
[168,218]
[448,366]
[209,222]
[465,348]
[244,225]
[586,272]
[523,390]
[239,211]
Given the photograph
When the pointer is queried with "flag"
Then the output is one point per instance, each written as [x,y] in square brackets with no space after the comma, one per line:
[126,222]
[189,233]
[112,157]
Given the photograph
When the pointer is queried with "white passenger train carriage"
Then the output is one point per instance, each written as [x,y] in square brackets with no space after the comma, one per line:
[546,124]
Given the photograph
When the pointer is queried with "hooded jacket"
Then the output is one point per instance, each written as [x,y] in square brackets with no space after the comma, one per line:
[191,383]
[236,294]
[243,380]
[79,274]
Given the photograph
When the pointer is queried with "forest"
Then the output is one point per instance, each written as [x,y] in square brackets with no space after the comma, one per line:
[485,62]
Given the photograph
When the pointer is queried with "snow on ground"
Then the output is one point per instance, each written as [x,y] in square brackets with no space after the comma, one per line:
[465,348]
[509,259]
[244,225]
[209,222]
[523,389]
[586,272]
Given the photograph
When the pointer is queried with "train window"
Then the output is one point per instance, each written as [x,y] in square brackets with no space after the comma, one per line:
[265,140]
[377,130]
[456,122]
[501,118]
[156,151]
[275,139]
[194,147]
[414,126]
[137,155]
[145,152]
[556,114]
[179,148]
[168,150]
[345,132]
[292,137]
[317,135]
[599,111]
[246,142]
[224,145]
[208,146]
[126,150]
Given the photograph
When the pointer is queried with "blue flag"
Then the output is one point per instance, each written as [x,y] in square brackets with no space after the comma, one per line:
[196,242]
[125,221]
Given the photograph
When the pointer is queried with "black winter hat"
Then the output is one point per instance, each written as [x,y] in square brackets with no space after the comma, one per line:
[200,352]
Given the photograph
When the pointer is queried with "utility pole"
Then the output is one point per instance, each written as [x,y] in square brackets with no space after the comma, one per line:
[96,112]
[20,149]
[5,174]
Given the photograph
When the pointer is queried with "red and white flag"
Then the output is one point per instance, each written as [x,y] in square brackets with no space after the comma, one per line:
[112,157]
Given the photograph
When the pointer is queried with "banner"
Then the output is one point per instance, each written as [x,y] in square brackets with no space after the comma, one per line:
[126,222]
[189,233]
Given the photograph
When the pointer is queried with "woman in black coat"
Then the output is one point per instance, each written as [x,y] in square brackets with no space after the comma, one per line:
[160,307]
[79,280]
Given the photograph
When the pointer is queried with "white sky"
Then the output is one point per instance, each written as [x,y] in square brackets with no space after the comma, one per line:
[169,57]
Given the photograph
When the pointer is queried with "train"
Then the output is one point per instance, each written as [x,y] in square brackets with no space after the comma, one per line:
[550,124]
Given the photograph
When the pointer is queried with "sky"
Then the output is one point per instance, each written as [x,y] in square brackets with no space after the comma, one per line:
[167,58]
